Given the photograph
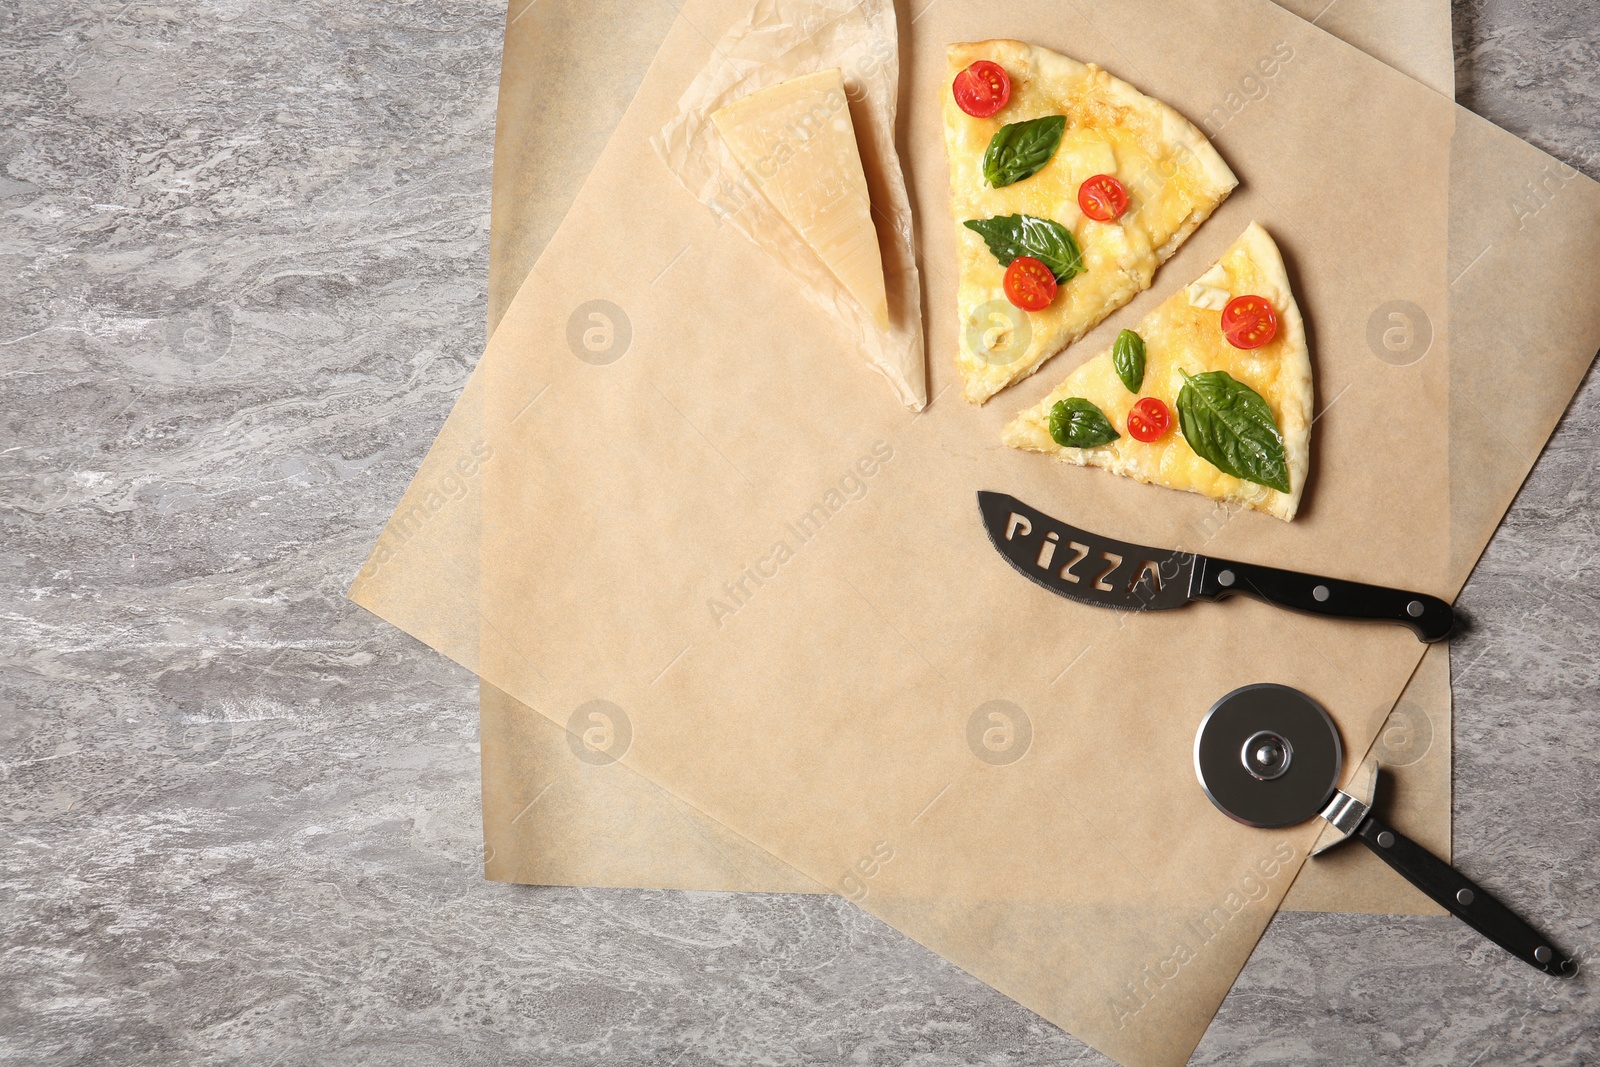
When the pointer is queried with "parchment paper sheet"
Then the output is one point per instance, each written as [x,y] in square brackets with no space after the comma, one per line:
[611,507]
[604,825]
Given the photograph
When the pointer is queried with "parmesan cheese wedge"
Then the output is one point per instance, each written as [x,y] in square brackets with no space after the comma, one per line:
[1182,337]
[797,145]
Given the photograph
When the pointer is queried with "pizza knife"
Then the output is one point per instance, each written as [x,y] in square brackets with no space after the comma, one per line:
[1087,567]
[1269,756]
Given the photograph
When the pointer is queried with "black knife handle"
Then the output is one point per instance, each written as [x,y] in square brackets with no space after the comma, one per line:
[1463,898]
[1428,616]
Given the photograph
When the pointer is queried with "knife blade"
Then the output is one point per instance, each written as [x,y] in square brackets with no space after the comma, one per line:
[1092,569]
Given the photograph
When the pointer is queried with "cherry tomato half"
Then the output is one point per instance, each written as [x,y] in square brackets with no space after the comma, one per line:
[1030,284]
[1249,322]
[1149,420]
[982,89]
[1103,198]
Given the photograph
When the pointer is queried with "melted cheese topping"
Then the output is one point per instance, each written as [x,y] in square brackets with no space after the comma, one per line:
[1180,336]
[1210,290]
[1110,130]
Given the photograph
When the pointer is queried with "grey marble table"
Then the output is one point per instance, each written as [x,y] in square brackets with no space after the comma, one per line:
[244,247]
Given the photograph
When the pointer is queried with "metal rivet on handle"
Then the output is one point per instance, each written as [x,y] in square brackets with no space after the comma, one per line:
[1542,954]
[1321,593]
[1385,839]
[1464,897]
[1225,578]
[1414,609]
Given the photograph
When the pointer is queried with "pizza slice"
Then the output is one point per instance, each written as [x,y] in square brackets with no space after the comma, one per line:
[1211,393]
[1069,189]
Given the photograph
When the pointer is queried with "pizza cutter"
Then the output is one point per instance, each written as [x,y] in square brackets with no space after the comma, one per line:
[1086,567]
[1269,756]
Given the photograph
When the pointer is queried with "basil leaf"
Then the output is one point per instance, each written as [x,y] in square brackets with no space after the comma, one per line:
[1127,355]
[1076,423]
[1229,425]
[1051,243]
[1021,149]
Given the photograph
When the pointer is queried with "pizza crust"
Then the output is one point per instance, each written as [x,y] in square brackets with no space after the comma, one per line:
[1180,335]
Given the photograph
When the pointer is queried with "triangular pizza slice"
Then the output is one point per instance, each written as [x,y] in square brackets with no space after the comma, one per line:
[1069,188]
[1210,393]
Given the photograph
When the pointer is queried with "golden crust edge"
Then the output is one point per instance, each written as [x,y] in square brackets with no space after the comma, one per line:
[1300,394]
[1174,126]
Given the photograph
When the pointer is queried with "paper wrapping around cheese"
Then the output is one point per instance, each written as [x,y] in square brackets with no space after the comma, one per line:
[621,508]
[607,826]
[773,44]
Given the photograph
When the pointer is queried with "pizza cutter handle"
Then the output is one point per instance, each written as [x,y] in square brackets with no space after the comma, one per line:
[1463,898]
[1430,618]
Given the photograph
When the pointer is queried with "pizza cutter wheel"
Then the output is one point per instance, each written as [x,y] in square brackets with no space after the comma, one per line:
[1269,756]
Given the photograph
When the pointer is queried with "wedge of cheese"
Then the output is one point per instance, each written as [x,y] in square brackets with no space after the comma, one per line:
[1174,178]
[797,145]
[1183,337]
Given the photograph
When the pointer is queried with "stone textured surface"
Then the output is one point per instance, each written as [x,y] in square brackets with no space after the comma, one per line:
[244,247]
